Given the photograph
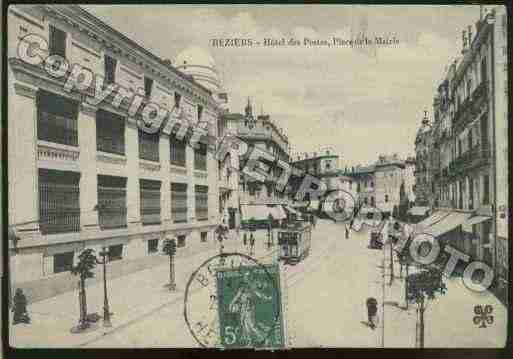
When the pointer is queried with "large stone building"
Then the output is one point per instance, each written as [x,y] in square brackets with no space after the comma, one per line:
[256,199]
[85,176]
[466,147]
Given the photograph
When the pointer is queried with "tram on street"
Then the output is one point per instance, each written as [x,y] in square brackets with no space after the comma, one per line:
[294,242]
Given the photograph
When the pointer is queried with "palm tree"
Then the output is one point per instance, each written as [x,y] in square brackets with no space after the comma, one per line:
[84,269]
[169,248]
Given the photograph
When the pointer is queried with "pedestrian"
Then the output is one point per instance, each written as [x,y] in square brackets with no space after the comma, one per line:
[347,231]
[20,308]
[245,239]
[251,244]
[372,312]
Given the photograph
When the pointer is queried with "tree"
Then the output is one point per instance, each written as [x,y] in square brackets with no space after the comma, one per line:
[169,248]
[424,286]
[84,270]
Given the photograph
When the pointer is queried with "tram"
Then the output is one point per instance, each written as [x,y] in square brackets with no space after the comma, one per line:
[294,242]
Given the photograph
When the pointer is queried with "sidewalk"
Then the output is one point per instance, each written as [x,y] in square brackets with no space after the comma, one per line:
[131,298]
[448,319]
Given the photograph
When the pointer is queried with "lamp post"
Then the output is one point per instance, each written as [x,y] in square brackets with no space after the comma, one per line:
[269,231]
[106,313]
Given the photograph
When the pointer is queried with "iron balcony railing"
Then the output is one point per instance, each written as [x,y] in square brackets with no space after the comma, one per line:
[60,220]
[471,107]
[476,156]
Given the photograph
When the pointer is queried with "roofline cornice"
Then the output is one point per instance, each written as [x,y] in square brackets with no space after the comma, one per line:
[119,43]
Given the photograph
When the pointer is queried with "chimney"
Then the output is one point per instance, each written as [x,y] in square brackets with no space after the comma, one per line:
[469,28]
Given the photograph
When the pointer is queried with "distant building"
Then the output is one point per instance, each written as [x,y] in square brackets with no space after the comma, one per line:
[319,164]
[260,131]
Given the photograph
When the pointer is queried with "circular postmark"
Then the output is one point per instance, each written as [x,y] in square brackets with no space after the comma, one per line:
[233,301]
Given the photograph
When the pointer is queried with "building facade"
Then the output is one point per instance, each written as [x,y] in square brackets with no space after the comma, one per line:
[85,176]
[467,145]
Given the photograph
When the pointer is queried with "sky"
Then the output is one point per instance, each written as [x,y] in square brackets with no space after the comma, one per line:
[360,102]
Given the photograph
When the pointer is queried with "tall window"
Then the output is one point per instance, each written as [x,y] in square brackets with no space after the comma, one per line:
[200,112]
[386,198]
[177,151]
[200,157]
[178,97]
[149,146]
[470,193]
[110,132]
[149,193]
[484,131]
[112,209]
[201,194]
[57,119]
[57,45]
[115,252]
[59,201]
[63,262]
[148,85]
[486,189]
[179,202]
[110,69]
[483,70]
[153,245]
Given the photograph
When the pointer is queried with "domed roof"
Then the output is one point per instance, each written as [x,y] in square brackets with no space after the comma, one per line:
[199,64]
[194,55]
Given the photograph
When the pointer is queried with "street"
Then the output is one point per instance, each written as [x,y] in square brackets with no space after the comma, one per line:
[324,304]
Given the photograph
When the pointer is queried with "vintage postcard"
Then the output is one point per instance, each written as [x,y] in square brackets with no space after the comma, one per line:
[256,176]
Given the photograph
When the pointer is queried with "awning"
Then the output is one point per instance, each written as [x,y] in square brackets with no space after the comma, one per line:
[418,211]
[476,220]
[446,224]
[277,212]
[257,212]
[291,210]
[434,218]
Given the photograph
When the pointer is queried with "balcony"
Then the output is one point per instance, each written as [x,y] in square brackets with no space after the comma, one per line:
[472,107]
[477,156]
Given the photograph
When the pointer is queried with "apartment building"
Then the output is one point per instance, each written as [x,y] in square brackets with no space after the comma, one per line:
[467,147]
[86,176]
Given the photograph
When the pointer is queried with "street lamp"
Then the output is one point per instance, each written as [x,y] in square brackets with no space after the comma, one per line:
[269,231]
[106,313]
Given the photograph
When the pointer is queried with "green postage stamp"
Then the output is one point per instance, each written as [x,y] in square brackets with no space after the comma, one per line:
[249,305]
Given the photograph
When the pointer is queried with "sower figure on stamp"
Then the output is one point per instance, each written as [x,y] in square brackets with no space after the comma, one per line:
[244,303]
